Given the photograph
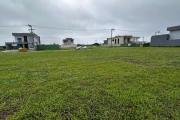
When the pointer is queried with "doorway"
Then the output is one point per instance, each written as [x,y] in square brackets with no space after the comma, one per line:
[25,40]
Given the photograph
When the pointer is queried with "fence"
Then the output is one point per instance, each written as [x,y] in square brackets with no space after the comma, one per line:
[46,47]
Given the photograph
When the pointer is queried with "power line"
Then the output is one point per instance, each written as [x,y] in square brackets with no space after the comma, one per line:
[70,29]
[46,37]
[88,29]
[115,31]
[134,31]
[15,26]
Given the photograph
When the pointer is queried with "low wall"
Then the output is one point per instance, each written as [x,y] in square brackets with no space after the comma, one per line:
[108,45]
[46,47]
[68,46]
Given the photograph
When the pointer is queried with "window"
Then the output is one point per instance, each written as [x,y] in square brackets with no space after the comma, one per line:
[112,39]
[19,39]
[118,41]
[115,41]
[69,42]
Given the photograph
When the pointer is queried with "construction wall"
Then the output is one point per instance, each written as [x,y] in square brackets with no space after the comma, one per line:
[108,45]
[69,46]
[46,47]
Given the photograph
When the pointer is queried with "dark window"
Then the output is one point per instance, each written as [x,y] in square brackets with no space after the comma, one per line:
[19,39]
[118,41]
[115,41]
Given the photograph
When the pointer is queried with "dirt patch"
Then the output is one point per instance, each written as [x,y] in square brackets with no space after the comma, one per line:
[174,64]
[139,63]
[96,59]
[134,62]
[5,114]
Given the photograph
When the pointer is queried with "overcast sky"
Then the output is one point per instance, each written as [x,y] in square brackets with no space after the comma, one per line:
[146,16]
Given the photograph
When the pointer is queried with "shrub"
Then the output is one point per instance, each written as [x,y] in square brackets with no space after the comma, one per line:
[146,45]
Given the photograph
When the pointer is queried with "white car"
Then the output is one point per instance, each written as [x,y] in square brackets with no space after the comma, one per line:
[81,47]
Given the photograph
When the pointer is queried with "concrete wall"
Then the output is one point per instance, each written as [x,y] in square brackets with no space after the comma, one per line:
[135,40]
[115,41]
[19,37]
[174,35]
[36,40]
[105,42]
[163,40]
[30,42]
[108,45]
[68,46]
[8,47]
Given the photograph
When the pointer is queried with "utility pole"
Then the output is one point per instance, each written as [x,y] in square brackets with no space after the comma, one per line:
[31,31]
[111,36]
[143,38]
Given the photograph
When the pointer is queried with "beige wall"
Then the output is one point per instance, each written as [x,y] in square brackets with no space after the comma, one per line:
[107,45]
[121,41]
[68,46]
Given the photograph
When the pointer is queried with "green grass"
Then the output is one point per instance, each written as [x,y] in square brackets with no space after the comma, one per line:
[67,48]
[101,83]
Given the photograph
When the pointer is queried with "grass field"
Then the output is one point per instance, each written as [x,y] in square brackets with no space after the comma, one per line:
[101,83]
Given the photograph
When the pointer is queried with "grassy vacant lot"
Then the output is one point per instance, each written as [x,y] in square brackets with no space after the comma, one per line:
[101,83]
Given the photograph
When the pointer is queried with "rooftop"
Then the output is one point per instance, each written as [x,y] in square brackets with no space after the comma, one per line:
[16,43]
[24,34]
[173,28]
[68,39]
[126,36]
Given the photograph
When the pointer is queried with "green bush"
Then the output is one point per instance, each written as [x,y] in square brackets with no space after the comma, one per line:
[146,45]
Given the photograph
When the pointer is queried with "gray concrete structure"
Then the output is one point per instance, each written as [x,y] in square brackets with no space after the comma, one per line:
[13,45]
[167,40]
[23,40]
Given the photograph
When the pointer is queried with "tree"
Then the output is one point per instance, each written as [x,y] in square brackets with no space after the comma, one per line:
[96,44]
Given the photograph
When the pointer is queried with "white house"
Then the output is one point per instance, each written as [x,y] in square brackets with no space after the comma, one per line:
[118,40]
[68,43]
[24,40]
[174,32]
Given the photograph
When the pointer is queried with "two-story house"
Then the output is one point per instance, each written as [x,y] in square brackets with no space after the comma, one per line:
[24,40]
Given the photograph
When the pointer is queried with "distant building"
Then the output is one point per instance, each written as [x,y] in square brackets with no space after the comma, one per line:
[171,39]
[118,40]
[68,43]
[23,40]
